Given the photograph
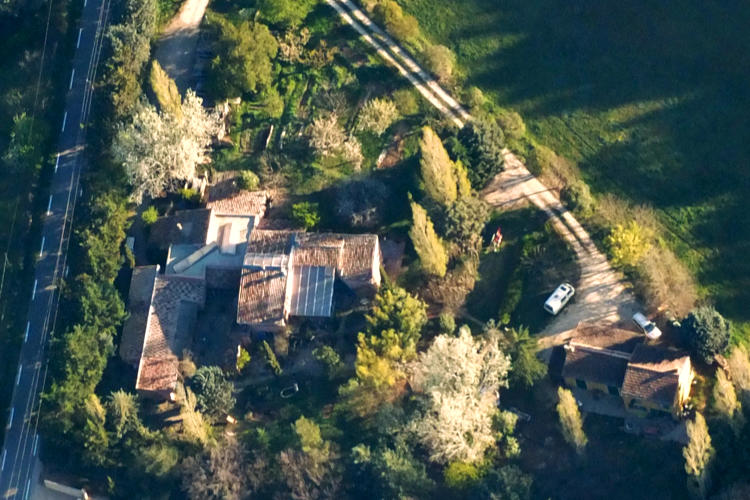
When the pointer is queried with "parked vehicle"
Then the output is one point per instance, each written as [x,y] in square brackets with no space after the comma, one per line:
[559,298]
[647,326]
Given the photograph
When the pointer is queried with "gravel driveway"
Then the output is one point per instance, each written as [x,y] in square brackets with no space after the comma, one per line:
[175,50]
[601,295]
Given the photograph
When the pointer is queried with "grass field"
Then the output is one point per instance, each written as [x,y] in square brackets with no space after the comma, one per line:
[649,99]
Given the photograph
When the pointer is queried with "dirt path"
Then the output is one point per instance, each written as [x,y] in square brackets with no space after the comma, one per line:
[175,50]
[601,295]
[397,57]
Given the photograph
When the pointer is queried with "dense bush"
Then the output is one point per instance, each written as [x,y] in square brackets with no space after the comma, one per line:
[213,391]
[664,282]
[577,196]
[306,214]
[512,124]
[484,142]
[705,333]
[361,203]
[150,215]
[248,180]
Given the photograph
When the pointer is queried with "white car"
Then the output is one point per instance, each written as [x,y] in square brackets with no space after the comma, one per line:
[559,298]
[647,326]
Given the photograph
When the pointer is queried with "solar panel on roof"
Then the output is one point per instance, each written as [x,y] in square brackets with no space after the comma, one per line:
[312,291]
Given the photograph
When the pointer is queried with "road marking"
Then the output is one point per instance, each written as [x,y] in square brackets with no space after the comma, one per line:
[65,119]
[72,75]
[10,420]
[49,205]
[26,335]
[33,292]
[41,250]
[57,162]
[67,269]
[36,443]
[18,377]
[28,489]
[2,467]
[78,43]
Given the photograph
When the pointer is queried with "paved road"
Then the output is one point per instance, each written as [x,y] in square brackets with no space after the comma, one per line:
[21,445]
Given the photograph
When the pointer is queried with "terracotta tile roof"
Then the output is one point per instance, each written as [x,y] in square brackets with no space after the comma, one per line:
[262,296]
[139,300]
[273,241]
[225,198]
[357,252]
[653,374]
[186,227]
[173,308]
[358,257]
[326,256]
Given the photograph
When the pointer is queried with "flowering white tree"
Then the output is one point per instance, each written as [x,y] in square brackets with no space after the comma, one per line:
[328,138]
[160,149]
[459,378]
[377,115]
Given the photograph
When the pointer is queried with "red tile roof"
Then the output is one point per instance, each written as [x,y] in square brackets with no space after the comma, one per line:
[225,198]
[173,305]
[262,296]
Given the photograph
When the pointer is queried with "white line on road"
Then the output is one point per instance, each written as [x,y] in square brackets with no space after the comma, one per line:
[41,250]
[49,205]
[36,443]
[10,420]
[57,162]
[18,377]
[26,335]
[78,43]
[2,466]
[28,489]
[33,292]
[65,119]
[72,75]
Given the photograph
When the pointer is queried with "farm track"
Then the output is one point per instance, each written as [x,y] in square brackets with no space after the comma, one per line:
[601,295]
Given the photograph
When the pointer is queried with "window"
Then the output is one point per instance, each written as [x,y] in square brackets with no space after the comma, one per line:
[581,384]
[614,391]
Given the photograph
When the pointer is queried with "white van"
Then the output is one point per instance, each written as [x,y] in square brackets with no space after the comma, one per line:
[559,298]
[647,326]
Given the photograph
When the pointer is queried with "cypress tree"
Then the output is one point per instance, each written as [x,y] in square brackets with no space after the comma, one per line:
[438,171]
[426,242]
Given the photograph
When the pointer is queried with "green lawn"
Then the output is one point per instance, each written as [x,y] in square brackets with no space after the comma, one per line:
[648,98]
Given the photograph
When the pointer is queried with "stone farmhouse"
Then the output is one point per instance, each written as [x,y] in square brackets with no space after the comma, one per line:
[278,275]
[650,379]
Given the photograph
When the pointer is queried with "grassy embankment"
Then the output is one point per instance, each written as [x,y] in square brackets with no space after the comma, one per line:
[648,100]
